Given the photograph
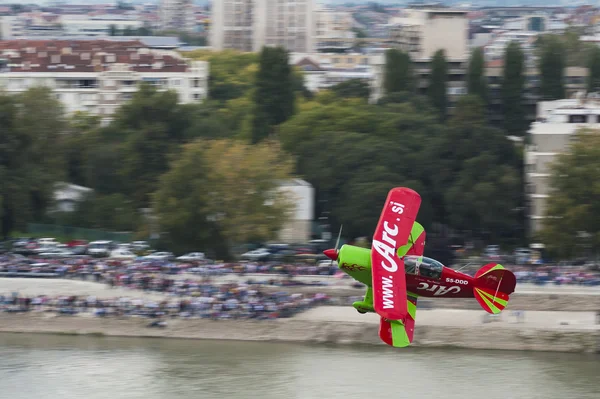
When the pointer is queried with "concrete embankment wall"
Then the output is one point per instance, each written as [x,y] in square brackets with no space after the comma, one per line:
[309,331]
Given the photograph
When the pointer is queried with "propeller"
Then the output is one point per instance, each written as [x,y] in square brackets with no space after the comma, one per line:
[333,253]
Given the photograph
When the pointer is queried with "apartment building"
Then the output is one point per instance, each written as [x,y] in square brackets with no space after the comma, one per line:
[232,25]
[248,25]
[574,79]
[421,32]
[455,84]
[323,70]
[333,30]
[177,15]
[549,136]
[46,24]
[97,76]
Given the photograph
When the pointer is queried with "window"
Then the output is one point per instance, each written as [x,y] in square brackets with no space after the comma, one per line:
[422,266]
[577,118]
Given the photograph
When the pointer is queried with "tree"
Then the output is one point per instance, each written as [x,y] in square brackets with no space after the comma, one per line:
[232,73]
[222,193]
[551,67]
[78,143]
[477,172]
[151,127]
[113,30]
[357,88]
[348,149]
[113,212]
[437,91]
[398,74]
[593,64]
[513,84]
[573,210]
[476,79]
[274,95]
[30,155]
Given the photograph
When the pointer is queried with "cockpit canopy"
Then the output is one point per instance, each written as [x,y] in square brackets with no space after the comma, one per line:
[422,266]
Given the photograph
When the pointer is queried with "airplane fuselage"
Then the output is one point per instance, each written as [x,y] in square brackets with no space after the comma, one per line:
[426,277]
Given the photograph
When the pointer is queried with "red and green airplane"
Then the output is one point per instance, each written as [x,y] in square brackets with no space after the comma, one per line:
[396,272]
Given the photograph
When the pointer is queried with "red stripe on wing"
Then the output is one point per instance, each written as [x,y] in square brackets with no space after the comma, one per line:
[394,227]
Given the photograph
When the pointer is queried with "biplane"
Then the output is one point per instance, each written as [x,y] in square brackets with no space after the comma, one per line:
[396,273]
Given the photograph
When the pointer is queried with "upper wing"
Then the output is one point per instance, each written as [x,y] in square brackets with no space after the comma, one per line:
[393,231]
[416,242]
[397,333]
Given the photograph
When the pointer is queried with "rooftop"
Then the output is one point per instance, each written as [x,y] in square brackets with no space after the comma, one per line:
[84,56]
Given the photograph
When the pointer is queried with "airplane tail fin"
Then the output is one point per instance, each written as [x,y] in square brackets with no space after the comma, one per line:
[493,285]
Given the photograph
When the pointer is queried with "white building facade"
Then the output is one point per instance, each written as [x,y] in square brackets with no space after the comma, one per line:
[550,136]
[177,15]
[422,32]
[98,76]
[299,228]
[248,25]
[333,29]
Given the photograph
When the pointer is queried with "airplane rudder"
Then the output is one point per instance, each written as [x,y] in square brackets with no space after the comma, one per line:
[492,287]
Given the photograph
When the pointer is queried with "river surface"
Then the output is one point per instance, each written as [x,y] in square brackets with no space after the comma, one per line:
[71,367]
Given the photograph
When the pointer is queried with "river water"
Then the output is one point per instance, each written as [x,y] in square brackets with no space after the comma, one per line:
[71,367]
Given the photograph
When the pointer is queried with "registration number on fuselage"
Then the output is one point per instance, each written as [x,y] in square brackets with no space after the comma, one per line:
[457,281]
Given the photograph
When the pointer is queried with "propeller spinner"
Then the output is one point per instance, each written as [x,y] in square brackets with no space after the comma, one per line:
[333,253]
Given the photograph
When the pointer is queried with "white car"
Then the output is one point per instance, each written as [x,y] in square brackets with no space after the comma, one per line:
[122,254]
[100,248]
[192,256]
[56,253]
[160,256]
[257,254]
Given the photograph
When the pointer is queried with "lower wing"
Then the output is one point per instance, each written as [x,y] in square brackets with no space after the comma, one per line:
[394,332]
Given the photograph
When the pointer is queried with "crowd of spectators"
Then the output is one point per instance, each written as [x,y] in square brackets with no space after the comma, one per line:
[557,276]
[229,301]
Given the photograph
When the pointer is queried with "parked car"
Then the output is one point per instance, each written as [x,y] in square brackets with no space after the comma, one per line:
[160,256]
[122,253]
[192,257]
[100,248]
[257,254]
[56,253]
[47,241]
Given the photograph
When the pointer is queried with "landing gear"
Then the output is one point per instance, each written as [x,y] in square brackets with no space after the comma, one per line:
[361,311]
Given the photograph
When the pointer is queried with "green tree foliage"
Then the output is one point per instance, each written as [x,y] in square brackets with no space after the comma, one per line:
[152,126]
[551,67]
[437,90]
[398,74]
[513,84]
[232,73]
[476,79]
[573,209]
[78,143]
[274,97]
[222,193]
[353,153]
[30,155]
[114,212]
[476,173]
[357,88]
[593,64]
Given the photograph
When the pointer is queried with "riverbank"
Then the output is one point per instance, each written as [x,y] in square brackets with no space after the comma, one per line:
[541,331]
